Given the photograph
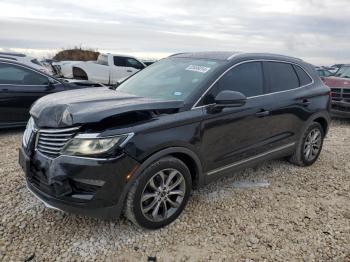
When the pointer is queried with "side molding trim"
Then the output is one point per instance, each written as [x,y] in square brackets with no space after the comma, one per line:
[250,159]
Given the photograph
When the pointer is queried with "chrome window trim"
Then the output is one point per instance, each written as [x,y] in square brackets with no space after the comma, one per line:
[243,161]
[250,97]
[28,68]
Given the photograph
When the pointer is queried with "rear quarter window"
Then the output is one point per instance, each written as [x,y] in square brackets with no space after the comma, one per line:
[304,78]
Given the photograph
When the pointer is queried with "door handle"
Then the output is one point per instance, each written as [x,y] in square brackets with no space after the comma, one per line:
[130,71]
[305,102]
[262,113]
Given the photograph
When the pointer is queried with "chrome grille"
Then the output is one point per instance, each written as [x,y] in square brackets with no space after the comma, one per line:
[341,94]
[51,141]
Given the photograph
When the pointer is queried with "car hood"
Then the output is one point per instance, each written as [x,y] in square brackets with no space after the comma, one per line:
[337,82]
[91,105]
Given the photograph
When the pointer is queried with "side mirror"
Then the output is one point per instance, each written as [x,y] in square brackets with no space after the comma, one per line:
[227,98]
[115,86]
[50,83]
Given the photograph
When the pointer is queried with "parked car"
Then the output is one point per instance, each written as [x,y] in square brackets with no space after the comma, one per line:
[26,60]
[323,72]
[179,124]
[340,88]
[108,69]
[21,86]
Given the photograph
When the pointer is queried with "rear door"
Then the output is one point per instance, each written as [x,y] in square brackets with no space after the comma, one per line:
[287,101]
[20,87]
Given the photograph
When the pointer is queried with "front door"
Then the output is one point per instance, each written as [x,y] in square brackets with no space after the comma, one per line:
[237,133]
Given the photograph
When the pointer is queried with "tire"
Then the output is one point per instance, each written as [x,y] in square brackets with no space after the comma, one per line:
[79,74]
[300,156]
[170,199]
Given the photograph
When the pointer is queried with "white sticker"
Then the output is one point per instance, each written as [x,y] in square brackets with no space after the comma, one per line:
[196,68]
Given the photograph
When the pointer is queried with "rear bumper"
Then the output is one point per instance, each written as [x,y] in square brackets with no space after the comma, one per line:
[86,186]
[340,109]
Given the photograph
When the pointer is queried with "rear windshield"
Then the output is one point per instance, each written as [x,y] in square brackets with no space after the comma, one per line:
[170,79]
[102,60]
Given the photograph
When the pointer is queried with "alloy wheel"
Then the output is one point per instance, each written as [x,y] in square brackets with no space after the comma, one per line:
[312,144]
[163,195]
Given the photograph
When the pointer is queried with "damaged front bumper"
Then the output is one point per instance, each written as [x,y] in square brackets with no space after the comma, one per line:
[87,186]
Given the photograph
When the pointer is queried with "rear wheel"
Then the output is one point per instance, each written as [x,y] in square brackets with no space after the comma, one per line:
[309,146]
[160,194]
[79,74]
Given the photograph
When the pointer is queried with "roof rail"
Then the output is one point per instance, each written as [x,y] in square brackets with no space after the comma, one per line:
[8,58]
[177,54]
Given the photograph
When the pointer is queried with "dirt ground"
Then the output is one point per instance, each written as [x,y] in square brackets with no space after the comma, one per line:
[273,212]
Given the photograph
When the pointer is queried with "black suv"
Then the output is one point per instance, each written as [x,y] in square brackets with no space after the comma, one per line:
[177,125]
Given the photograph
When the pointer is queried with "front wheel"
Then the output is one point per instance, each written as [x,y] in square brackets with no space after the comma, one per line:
[309,147]
[160,194]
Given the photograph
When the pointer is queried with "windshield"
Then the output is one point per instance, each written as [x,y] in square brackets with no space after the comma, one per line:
[343,72]
[170,79]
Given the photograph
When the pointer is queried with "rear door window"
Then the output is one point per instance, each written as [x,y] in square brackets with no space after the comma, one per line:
[282,76]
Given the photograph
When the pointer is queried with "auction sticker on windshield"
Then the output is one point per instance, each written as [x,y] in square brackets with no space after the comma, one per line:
[196,68]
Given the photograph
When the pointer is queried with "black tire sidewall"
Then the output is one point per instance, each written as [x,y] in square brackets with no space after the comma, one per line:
[144,178]
[306,133]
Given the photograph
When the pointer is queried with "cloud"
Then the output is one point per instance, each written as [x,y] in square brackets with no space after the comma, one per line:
[313,30]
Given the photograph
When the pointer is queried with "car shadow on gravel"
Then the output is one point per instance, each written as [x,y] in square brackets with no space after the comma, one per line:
[223,188]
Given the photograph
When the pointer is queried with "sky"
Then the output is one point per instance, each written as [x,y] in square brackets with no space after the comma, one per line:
[317,31]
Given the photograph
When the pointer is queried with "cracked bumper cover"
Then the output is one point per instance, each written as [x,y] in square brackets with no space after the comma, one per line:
[86,186]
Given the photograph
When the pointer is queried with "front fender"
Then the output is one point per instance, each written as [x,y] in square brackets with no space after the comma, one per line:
[150,160]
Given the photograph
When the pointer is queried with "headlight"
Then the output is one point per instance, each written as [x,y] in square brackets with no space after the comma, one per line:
[28,132]
[93,146]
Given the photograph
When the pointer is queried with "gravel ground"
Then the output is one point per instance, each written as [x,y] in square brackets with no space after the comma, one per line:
[274,212]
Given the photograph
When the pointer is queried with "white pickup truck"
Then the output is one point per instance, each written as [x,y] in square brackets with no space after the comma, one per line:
[108,69]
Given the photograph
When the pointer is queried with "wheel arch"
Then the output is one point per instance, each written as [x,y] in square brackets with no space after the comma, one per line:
[182,153]
[190,159]
[323,119]
[79,73]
